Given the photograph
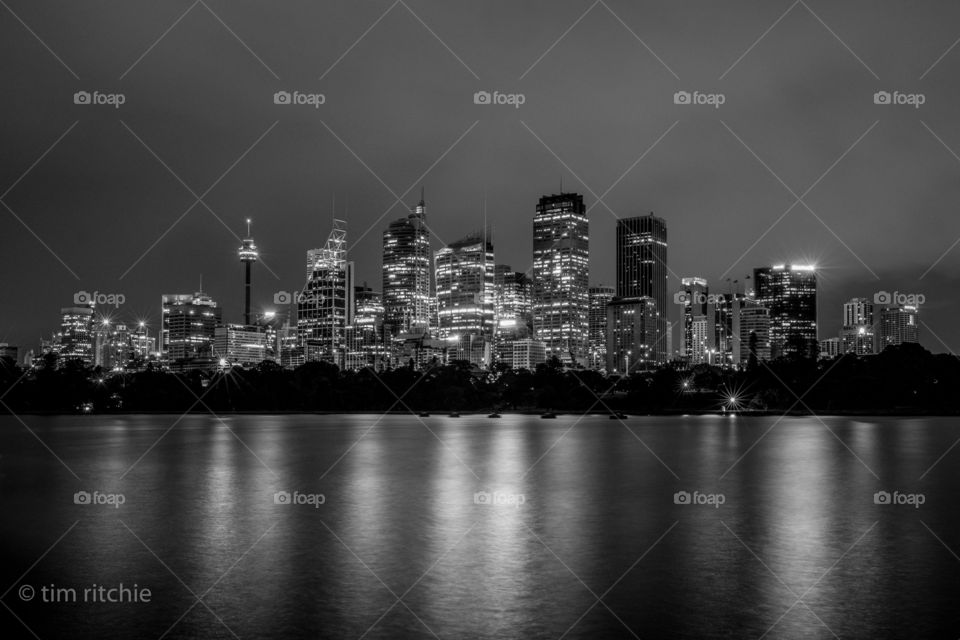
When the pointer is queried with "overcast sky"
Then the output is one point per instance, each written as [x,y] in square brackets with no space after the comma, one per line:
[97,197]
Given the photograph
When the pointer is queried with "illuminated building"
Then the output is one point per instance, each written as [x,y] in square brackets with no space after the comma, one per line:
[325,305]
[561,269]
[367,345]
[112,345]
[641,264]
[407,291]
[699,317]
[242,344]
[829,348]
[189,321]
[512,303]
[248,255]
[899,325]
[597,339]
[522,353]
[75,339]
[465,297]
[631,334]
[8,351]
[790,292]
[857,334]
[754,332]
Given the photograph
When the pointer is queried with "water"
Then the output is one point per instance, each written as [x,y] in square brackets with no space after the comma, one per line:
[587,542]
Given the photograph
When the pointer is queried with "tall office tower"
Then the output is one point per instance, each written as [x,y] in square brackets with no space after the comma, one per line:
[641,264]
[599,298]
[631,334]
[465,297]
[561,274]
[188,324]
[899,325]
[754,332]
[366,341]
[248,255]
[74,341]
[790,292]
[726,334]
[512,302]
[408,298]
[698,306]
[325,304]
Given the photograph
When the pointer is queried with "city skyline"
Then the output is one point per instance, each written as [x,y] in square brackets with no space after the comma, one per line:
[463,306]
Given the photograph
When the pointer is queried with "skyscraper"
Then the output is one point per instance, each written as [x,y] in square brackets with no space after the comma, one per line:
[631,334]
[641,264]
[407,291]
[599,298]
[75,339]
[790,292]
[465,296]
[188,322]
[899,325]
[561,270]
[325,303]
[858,335]
[512,302]
[699,316]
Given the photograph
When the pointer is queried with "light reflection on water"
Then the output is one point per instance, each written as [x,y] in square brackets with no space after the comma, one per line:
[399,547]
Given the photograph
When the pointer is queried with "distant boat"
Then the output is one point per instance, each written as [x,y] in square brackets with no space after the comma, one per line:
[618,416]
[494,415]
[423,414]
[454,414]
[549,415]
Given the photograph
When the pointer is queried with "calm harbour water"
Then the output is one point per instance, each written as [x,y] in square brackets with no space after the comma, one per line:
[587,540]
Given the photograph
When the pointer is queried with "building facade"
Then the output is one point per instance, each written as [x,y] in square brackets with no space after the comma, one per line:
[407,289]
[790,293]
[561,275]
[600,297]
[631,334]
[641,264]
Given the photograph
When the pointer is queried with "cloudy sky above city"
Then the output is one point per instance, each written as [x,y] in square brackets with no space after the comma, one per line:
[799,164]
